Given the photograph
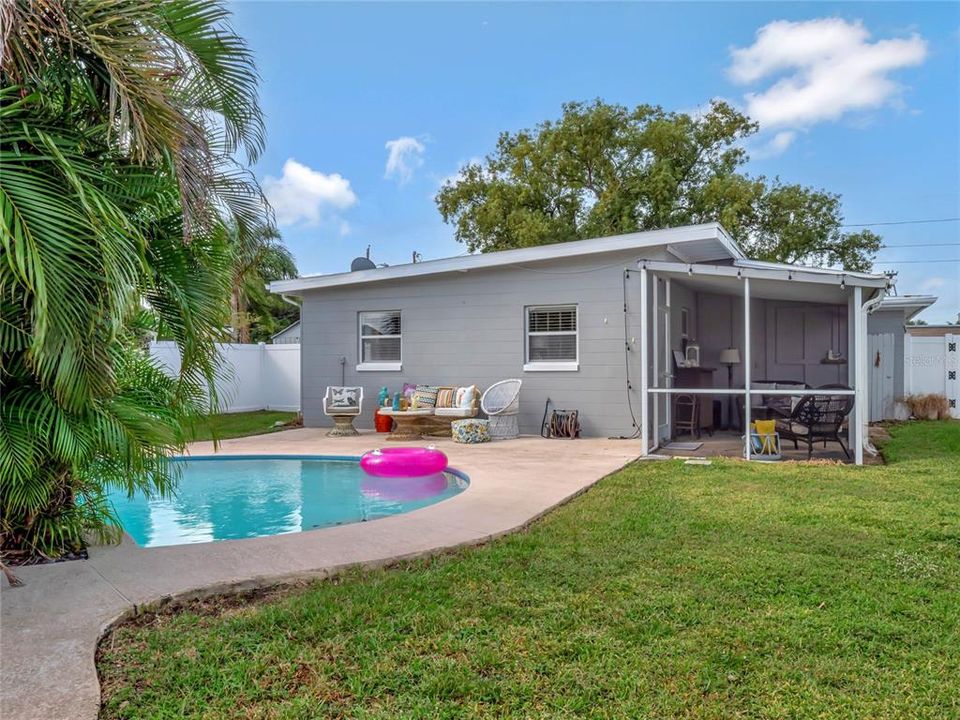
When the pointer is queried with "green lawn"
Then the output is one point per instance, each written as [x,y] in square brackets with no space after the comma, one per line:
[234,425]
[667,591]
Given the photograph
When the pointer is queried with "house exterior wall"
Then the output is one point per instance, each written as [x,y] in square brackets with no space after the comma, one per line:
[891,323]
[798,336]
[468,328]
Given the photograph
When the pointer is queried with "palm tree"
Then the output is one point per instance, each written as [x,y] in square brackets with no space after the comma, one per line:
[259,257]
[119,123]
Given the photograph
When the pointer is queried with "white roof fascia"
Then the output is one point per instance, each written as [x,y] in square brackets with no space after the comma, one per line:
[735,250]
[763,264]
[908,301]
[786,272]
[910,305]
[579,248]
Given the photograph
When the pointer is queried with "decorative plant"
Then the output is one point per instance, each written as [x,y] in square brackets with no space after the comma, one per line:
[119,122]
[928,407]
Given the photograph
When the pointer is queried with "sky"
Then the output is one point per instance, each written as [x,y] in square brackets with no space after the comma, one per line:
[370,107]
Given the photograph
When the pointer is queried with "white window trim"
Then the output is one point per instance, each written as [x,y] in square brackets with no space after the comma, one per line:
[550,365]
[378,366]
[558,366]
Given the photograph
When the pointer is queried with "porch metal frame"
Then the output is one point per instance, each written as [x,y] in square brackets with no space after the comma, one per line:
[857,343]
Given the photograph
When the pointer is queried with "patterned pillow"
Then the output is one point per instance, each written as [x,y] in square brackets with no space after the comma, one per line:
[408,390]
[425,396]
[344,396]
[445,397]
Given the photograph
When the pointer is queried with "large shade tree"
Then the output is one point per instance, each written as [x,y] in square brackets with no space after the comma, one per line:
[604,169]
[119,124]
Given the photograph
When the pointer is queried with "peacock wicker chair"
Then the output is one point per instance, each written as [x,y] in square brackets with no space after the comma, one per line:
[501,403]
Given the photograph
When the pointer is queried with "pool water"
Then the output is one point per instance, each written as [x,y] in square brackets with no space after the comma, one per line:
[221,498]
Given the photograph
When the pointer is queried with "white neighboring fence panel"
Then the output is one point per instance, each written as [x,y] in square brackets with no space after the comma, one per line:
[255,377]
[280,376]
[932,365]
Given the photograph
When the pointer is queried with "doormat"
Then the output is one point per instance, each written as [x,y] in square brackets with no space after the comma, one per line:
[684,446]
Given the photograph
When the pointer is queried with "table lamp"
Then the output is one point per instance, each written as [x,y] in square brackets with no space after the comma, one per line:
[730,357]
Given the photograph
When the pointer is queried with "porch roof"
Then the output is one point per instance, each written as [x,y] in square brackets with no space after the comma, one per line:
[771,281]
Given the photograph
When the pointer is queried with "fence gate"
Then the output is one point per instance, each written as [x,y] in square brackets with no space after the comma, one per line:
[933,366]
[881,357]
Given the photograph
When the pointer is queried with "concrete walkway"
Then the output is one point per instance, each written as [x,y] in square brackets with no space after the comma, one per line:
[49,628]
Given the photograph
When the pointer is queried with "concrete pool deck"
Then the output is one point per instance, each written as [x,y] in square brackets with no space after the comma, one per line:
[49,627]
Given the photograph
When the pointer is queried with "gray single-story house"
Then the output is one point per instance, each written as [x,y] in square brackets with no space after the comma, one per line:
[598,325]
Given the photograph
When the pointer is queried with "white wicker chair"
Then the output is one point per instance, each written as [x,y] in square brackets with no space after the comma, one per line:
[501,403]
[343,415]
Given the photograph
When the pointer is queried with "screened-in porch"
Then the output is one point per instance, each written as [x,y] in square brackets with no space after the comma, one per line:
[732,344]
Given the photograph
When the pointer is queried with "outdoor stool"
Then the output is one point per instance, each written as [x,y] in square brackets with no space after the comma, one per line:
[471,431]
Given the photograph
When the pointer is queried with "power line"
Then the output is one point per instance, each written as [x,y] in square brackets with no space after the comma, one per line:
[913,245]
[903,222]
[904,262]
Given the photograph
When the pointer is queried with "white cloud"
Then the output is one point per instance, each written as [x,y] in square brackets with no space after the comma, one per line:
[404,155]
[775,145]
[303,194]
[826,68]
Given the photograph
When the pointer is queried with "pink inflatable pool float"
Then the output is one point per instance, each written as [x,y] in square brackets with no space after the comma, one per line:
[404,462]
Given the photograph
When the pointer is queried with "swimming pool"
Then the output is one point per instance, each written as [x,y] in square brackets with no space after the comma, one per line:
[228,498]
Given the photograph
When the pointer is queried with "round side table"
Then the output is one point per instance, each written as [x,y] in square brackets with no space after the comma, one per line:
[408,422]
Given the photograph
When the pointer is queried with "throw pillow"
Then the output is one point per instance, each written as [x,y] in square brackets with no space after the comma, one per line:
[445,397]
[465,396]
[425,396]
[408,390]
[344,397]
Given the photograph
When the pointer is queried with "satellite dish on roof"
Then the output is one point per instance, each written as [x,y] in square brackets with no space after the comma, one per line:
[363,263]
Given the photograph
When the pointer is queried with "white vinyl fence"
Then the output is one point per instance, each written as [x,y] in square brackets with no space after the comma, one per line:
[255,377]
[932,365]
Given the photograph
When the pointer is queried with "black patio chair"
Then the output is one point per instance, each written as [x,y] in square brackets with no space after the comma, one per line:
[817,417]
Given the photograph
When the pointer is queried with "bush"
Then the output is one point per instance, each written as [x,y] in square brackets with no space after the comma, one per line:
[928,407]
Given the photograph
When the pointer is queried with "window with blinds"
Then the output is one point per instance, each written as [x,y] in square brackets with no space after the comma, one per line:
[551,334]
[380,336]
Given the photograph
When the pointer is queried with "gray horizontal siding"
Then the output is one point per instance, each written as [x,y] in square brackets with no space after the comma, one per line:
[468,328]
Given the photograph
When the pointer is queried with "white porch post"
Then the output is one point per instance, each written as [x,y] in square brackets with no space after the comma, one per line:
[852,363]
[747,364]
[860,384]
[668,370]
[656,358]
[644,381]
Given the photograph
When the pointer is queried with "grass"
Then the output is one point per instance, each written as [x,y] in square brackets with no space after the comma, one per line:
[234,425]
[667,591]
